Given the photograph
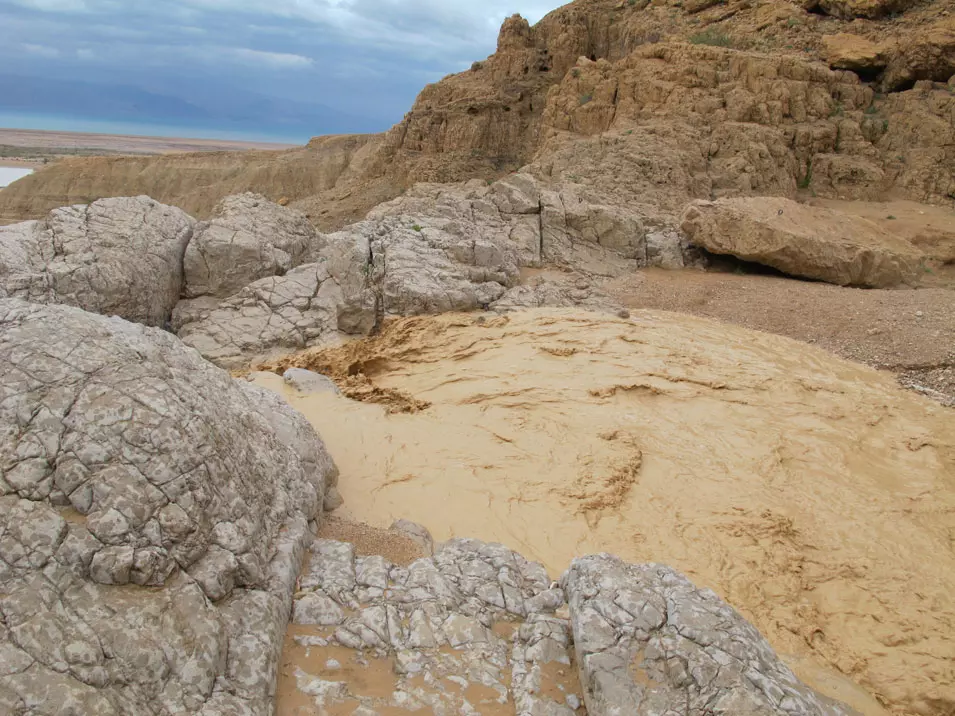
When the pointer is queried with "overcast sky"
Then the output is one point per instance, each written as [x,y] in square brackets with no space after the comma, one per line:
[364,58]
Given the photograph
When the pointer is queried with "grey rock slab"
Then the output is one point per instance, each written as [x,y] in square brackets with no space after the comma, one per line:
[119,256]
[273,315]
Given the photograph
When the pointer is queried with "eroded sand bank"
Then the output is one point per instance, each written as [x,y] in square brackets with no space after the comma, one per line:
[812,493]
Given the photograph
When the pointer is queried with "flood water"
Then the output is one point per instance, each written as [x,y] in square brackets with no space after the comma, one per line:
[8,175]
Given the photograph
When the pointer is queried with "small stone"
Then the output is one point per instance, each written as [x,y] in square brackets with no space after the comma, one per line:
[333,499]
[307,381]
[418,533]
[317,609]
[623,313]
[333,665]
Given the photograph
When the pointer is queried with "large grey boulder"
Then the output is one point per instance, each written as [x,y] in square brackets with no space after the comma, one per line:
[248,238]
[118,256]
[274,314]
[649,642]
[416,265]
[153,516]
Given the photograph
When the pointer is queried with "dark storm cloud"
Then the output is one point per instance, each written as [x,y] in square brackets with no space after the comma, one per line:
[363,58]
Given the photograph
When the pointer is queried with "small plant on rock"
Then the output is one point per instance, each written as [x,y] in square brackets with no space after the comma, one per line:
[416,227]
[712,37]
[807,179]
[585,99]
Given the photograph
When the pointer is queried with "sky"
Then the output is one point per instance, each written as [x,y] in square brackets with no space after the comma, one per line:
[286,69]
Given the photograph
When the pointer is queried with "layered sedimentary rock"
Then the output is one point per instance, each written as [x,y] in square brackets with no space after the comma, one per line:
[745,87]
[127,462]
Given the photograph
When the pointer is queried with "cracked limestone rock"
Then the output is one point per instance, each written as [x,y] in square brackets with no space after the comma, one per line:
[473,615]
[126,461]
[118,256]
[649,642]
[274,314]
[248,238]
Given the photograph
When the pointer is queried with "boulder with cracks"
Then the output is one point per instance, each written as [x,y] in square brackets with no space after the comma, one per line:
[248,238]
[127,462]
[649,642]
[278,313]
[115,256]
[626,640]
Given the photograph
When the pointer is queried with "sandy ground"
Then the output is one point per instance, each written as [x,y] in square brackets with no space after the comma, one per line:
[911,333]
[812,493]
[118,143]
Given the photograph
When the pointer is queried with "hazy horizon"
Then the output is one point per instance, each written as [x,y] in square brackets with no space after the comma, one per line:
[235,69]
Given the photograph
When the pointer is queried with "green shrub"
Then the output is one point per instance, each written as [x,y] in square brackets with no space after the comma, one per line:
[807,179]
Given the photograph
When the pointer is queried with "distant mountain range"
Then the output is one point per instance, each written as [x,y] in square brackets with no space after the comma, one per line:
[231,112]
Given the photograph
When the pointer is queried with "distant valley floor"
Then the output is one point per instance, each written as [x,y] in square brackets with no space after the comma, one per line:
[30,147]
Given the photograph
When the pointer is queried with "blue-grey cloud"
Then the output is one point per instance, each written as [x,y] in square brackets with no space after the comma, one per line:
[346,64]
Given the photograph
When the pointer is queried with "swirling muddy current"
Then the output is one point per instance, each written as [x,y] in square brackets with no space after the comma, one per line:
[812,493]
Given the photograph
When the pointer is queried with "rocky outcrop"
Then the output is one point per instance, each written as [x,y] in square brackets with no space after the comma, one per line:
[279,313]
[438,618]
[846,51]
[439,248]
[800,240]
[248,238]
[927,55]
[649,642]
[116,257]
[646,640]
[126,461]
[871,9]
[737,94]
